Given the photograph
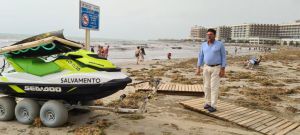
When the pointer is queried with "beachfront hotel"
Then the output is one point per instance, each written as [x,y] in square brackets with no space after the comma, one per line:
[290,32]
[256,33]
[284,34]
[223,33]
[198,33]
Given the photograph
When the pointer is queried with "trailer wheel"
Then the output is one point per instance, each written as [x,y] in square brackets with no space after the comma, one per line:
[27,110]
[7,108]
[53,114]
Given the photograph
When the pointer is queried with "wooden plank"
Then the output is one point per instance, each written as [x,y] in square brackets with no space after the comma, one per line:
[262,122]
[182,87]
[173,87]
[251,119]
[276,130]
[254,120]
[193,102]
[266,125]
[242,115]
[229,109]
[288,129]
[158,86]
[266,130]
[200,103]
[187,88]
[190,87]
[179,87]
[163,87]
[194,87]
[176,87]
[229,112]
[221,108]
[196,103]
[225,106]
[258,120]
[246,117]
[202,88]
[198,88]
[225,110]
[166,88]
[237,114]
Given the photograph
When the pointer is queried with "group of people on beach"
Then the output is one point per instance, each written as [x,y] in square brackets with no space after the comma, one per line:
[102,51]
[262,49]
[139,54]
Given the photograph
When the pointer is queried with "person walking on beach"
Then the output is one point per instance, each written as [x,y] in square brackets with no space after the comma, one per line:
[137,55]
[235,50]
[212,58]
[142,54]
[169,56]
[100,51]
[92,49]
[106,51]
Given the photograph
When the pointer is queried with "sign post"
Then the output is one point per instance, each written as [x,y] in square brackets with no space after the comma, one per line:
[89,15]
[87,39]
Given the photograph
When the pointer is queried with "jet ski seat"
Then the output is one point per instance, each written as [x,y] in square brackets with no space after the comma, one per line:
[35,66]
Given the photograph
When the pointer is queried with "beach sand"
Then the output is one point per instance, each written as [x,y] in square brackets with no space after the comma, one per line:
[273,87]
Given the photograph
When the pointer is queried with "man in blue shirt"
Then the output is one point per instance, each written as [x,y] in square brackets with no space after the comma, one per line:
[212,58]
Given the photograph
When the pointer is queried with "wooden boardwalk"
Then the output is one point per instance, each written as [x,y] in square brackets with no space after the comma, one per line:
[250,119]
[174,89]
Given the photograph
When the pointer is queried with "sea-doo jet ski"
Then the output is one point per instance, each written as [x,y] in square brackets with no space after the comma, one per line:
[50,67]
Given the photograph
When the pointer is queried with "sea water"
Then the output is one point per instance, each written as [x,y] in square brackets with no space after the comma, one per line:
[121,51]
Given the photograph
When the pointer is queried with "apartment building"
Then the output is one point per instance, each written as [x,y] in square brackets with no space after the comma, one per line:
[198,33]
[223,33]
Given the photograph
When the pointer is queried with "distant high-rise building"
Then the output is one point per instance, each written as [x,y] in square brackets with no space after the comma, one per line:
[290,30]
[198,33]
[254,33]
[223,33]
[245,31]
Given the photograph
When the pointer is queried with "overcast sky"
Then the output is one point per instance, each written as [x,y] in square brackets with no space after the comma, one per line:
[142,19]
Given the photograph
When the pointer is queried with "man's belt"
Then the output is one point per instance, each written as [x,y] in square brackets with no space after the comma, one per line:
[214,65]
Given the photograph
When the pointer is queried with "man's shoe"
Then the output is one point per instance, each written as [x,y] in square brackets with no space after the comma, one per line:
[211,109]
[206,106]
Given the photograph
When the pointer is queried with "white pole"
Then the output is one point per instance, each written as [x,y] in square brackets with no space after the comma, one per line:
[87,39]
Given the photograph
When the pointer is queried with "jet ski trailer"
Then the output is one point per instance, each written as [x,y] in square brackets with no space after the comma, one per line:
[53,75]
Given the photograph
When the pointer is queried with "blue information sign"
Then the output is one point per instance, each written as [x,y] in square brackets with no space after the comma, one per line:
[89,16]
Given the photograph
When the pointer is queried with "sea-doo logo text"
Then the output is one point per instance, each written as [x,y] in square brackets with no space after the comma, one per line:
[42,89]
[80,80]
